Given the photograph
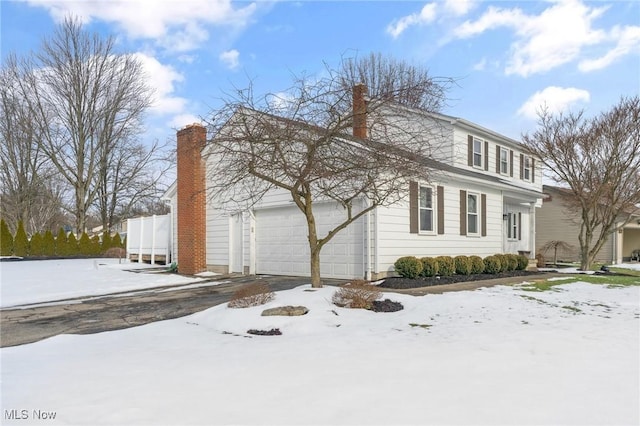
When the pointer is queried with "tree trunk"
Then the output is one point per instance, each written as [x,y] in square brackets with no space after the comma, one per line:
[315,269]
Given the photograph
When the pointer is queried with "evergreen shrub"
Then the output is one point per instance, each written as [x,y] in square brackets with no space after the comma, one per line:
[446,266]
[6,239]
[20,241]
[429,267]
[463,265]
[477,264]
[408,266]
[492,265]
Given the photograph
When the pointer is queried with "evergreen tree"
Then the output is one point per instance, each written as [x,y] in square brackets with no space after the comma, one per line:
[61,243]
[106,242]
[36,245]
[96,248]
[48,244]
[6,239]
[116,242]
[72,245]
[85,247]
[20,241]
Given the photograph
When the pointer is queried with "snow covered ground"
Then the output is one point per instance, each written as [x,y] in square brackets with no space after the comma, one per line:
[498,355]
[36,281]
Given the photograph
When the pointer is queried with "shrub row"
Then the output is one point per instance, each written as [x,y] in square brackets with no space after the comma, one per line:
[412,267]
[46,245]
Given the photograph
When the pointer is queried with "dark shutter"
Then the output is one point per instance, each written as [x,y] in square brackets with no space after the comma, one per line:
[486,155]
[463,212]
[497,158]
[521,166]
[470,150]
[533,170]
[519,225]
[483,213]
[440,201]
[511,162]
[413,207]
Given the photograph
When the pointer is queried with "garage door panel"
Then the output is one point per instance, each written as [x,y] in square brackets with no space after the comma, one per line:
[282,247]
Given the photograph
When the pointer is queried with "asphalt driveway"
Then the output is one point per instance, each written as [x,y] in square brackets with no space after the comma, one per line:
[117,311]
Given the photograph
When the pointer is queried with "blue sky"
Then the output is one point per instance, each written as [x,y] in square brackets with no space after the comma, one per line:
[509,57]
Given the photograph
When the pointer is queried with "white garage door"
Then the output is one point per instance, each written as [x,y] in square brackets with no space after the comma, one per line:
[282,247]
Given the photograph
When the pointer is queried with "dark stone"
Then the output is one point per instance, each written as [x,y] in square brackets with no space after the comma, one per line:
[386,305]
[272,332]
[285,311]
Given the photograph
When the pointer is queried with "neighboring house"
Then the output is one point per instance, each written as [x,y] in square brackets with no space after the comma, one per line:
[483,202]
[555,222]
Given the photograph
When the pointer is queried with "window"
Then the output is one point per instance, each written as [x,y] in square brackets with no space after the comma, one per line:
[527,168]
[504,161]
[472,214]
[512,224]
[477,152]
[425,205]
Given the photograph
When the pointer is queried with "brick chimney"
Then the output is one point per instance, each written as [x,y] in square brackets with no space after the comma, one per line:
[191,200]
[360,111]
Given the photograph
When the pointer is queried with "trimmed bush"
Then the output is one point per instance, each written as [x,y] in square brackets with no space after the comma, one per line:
[253,294]
[512,262]
[408,266]
[84,245]
[429,267]
[446,266]
[6,239]
[477,264]
[20,241]
[61,243]
[72,245]
[356,295]
[523,262]
[36,245]
[463,265]
[116,241]
[492,265]
[503,261]
[48,244]
[106,241]
[96,247]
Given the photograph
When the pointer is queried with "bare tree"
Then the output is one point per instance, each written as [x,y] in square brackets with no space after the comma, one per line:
[29,194]
[128,173]
[87,99]
[300,142]
[599,160]
[392,80]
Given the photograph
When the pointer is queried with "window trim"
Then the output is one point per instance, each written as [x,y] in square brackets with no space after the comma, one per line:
[433,208]
[477,214]
[481,153]
[527,169]
[504,162]
[512,226]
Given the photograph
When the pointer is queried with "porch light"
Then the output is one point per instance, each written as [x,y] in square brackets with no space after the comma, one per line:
[505,216]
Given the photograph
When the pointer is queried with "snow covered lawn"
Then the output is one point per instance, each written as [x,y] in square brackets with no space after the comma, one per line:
[36,281]
[501,355]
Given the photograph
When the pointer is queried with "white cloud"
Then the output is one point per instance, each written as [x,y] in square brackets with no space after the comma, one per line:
[181,120]
[425,16]
[459,7]
[162,79]
[175,25]
[545,41]
[231,58]
[480,66]
[627,40]
[554,99]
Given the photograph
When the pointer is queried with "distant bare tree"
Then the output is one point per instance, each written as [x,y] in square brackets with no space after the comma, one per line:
[300,142]
[599,160]
[27,190]
[394,80]
[87,99]
[555,245]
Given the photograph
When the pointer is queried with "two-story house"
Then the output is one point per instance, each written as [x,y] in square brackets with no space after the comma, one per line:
[483,202]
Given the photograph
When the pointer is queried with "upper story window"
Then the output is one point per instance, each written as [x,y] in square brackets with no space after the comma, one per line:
[425,206]
[527,168]
[477,152]
[472,213]
[504,161]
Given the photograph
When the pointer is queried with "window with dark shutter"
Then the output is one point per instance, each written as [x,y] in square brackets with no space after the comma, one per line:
[486,155]
[533,170]
[498,151]
[521,166]
[470,150]
[519,225]
[511,162]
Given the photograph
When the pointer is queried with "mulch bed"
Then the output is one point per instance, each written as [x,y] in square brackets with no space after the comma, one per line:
[405,283]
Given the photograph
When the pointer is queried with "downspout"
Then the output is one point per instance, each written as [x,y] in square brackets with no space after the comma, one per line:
[532,229]
[376,243]
[367,244]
